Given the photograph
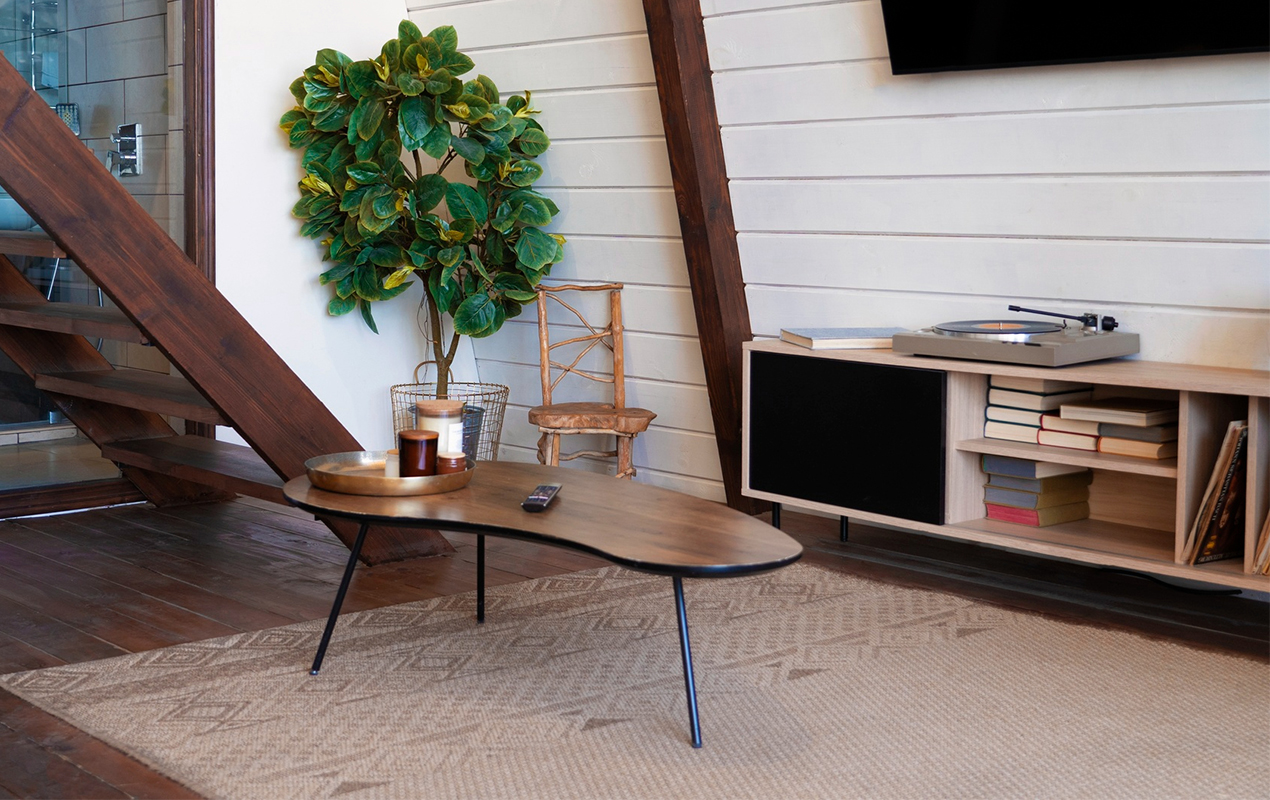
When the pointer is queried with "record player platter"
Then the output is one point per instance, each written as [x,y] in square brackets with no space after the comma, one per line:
[1036,342]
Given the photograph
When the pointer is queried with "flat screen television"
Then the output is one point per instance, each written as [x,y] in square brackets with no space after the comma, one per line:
[947,35]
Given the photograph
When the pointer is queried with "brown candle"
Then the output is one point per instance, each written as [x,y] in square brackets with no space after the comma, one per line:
[418,453]
[451,462]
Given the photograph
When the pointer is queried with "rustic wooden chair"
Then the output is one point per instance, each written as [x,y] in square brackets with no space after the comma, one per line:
[560,419]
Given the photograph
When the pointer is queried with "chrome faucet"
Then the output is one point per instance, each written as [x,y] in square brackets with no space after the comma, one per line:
[128,157]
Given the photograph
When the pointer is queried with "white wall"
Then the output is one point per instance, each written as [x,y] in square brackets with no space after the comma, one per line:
[265,268]
[1137,188]
[590,71]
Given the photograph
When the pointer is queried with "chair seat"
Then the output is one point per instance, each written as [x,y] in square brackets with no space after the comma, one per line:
[596,416]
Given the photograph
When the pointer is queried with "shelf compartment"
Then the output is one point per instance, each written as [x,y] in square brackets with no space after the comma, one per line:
[1164,468]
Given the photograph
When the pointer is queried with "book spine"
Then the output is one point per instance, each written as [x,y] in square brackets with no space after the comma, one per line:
[1210,528]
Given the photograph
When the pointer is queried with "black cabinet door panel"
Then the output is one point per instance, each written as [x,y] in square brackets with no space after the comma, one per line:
[861,436]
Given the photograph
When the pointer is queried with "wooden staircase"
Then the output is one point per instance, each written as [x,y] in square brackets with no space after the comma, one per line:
[232,377]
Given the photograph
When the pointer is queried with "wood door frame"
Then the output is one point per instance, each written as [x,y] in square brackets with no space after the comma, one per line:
[200,244]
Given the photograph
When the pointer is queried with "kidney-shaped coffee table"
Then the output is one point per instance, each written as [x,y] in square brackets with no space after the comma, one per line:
[634,525]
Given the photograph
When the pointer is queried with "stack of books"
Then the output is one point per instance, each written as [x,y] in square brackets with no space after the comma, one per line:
[1017,408]
[1127,426]
[1218,530]
[1035,493]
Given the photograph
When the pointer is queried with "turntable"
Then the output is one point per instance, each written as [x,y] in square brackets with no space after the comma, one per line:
[1028,341]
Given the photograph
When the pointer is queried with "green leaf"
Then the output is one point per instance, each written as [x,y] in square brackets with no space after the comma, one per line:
[389,255]
[498,118]
[457,63]
[334,118]
[319,151]
[451,256]
[521,297]
[437,143]
[535,248]
[491,91]
[408,32]
[335,274]
[409,84]
[446,38]
[534,211]
[297,89]
[524,173]
[346,287]
[339,306]
[505,217]
[438,82]
[480,267]
[465,202]
[444,293]
[432,52]
[477,107]
[421,252]
[366,282]
[414,121]
[372,115]
[533,142]
[333,60]
[361,78]
[470,149]
[291,117]
[429,190]
[365,172]
[474,315]
[367,317]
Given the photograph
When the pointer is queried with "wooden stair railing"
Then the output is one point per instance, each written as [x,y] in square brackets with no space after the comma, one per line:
[234,376]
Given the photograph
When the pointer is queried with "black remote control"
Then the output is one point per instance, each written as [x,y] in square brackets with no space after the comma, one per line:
[540,497]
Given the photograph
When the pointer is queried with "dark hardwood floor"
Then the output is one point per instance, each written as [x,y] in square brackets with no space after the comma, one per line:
[85,586]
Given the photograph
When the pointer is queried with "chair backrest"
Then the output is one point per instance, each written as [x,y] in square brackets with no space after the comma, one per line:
[610,336]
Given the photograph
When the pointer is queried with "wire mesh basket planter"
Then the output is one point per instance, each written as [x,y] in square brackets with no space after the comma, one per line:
[483,410]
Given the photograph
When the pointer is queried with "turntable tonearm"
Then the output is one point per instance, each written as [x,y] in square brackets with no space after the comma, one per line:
[1038,342]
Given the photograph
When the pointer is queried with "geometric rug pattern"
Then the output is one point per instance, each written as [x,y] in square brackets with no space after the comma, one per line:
[811,684]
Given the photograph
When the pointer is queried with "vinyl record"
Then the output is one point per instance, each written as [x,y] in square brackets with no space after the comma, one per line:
[999,330]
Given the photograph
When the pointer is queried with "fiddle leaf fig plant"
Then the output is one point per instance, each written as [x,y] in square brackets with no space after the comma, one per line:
[377,137]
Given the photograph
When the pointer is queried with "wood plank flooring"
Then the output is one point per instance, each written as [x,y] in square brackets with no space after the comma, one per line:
[96,584]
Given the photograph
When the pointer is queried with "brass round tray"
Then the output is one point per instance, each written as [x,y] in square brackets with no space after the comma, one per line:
[362,472]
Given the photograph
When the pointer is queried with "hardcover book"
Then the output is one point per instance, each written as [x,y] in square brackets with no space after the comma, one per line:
[1208,503]
[841,338]
[1015,416]
[1144,433]
[1054,483]
[1032,500]
[1137,449]
[1038,518]
[1072,441]
[1122,411]
[1025,468]
[1224,535]
[1033,402]
[1010,432]
[1053,422]
[1036,385]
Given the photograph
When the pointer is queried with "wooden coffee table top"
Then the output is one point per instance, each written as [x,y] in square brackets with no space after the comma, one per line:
[632,524]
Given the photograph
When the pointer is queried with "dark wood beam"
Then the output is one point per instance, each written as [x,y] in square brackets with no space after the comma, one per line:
[676,34]
[200,162]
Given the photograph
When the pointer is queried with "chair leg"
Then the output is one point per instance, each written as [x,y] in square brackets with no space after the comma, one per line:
[544,442]
[555,449]
[625,465]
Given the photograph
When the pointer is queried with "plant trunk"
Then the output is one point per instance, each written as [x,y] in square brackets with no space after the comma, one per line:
[439,355]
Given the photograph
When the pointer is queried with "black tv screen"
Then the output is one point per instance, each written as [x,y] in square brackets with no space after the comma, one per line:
[945,35]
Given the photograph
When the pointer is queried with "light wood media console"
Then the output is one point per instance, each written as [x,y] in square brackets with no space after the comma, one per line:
[1140,509]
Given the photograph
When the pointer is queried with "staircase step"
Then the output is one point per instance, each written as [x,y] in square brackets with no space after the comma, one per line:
[91,321]
[29,243]
[207,461]
[134,388]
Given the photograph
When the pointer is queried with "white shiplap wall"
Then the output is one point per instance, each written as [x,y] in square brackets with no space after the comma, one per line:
[590,71]
[1138,189]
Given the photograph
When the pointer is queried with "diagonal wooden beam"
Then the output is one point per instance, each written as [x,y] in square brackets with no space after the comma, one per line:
[676,34]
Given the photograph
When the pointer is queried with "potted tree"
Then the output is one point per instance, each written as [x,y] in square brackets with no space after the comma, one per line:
[378,138]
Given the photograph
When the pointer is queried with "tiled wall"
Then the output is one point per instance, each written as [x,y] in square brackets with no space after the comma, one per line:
[124,65]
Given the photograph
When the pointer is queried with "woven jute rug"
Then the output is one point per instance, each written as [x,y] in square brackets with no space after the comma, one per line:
[812,684]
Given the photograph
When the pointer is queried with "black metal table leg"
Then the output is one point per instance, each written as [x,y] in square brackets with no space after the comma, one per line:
[843,522]
[689,684]
[339,599]
[480,578]
[776,515]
